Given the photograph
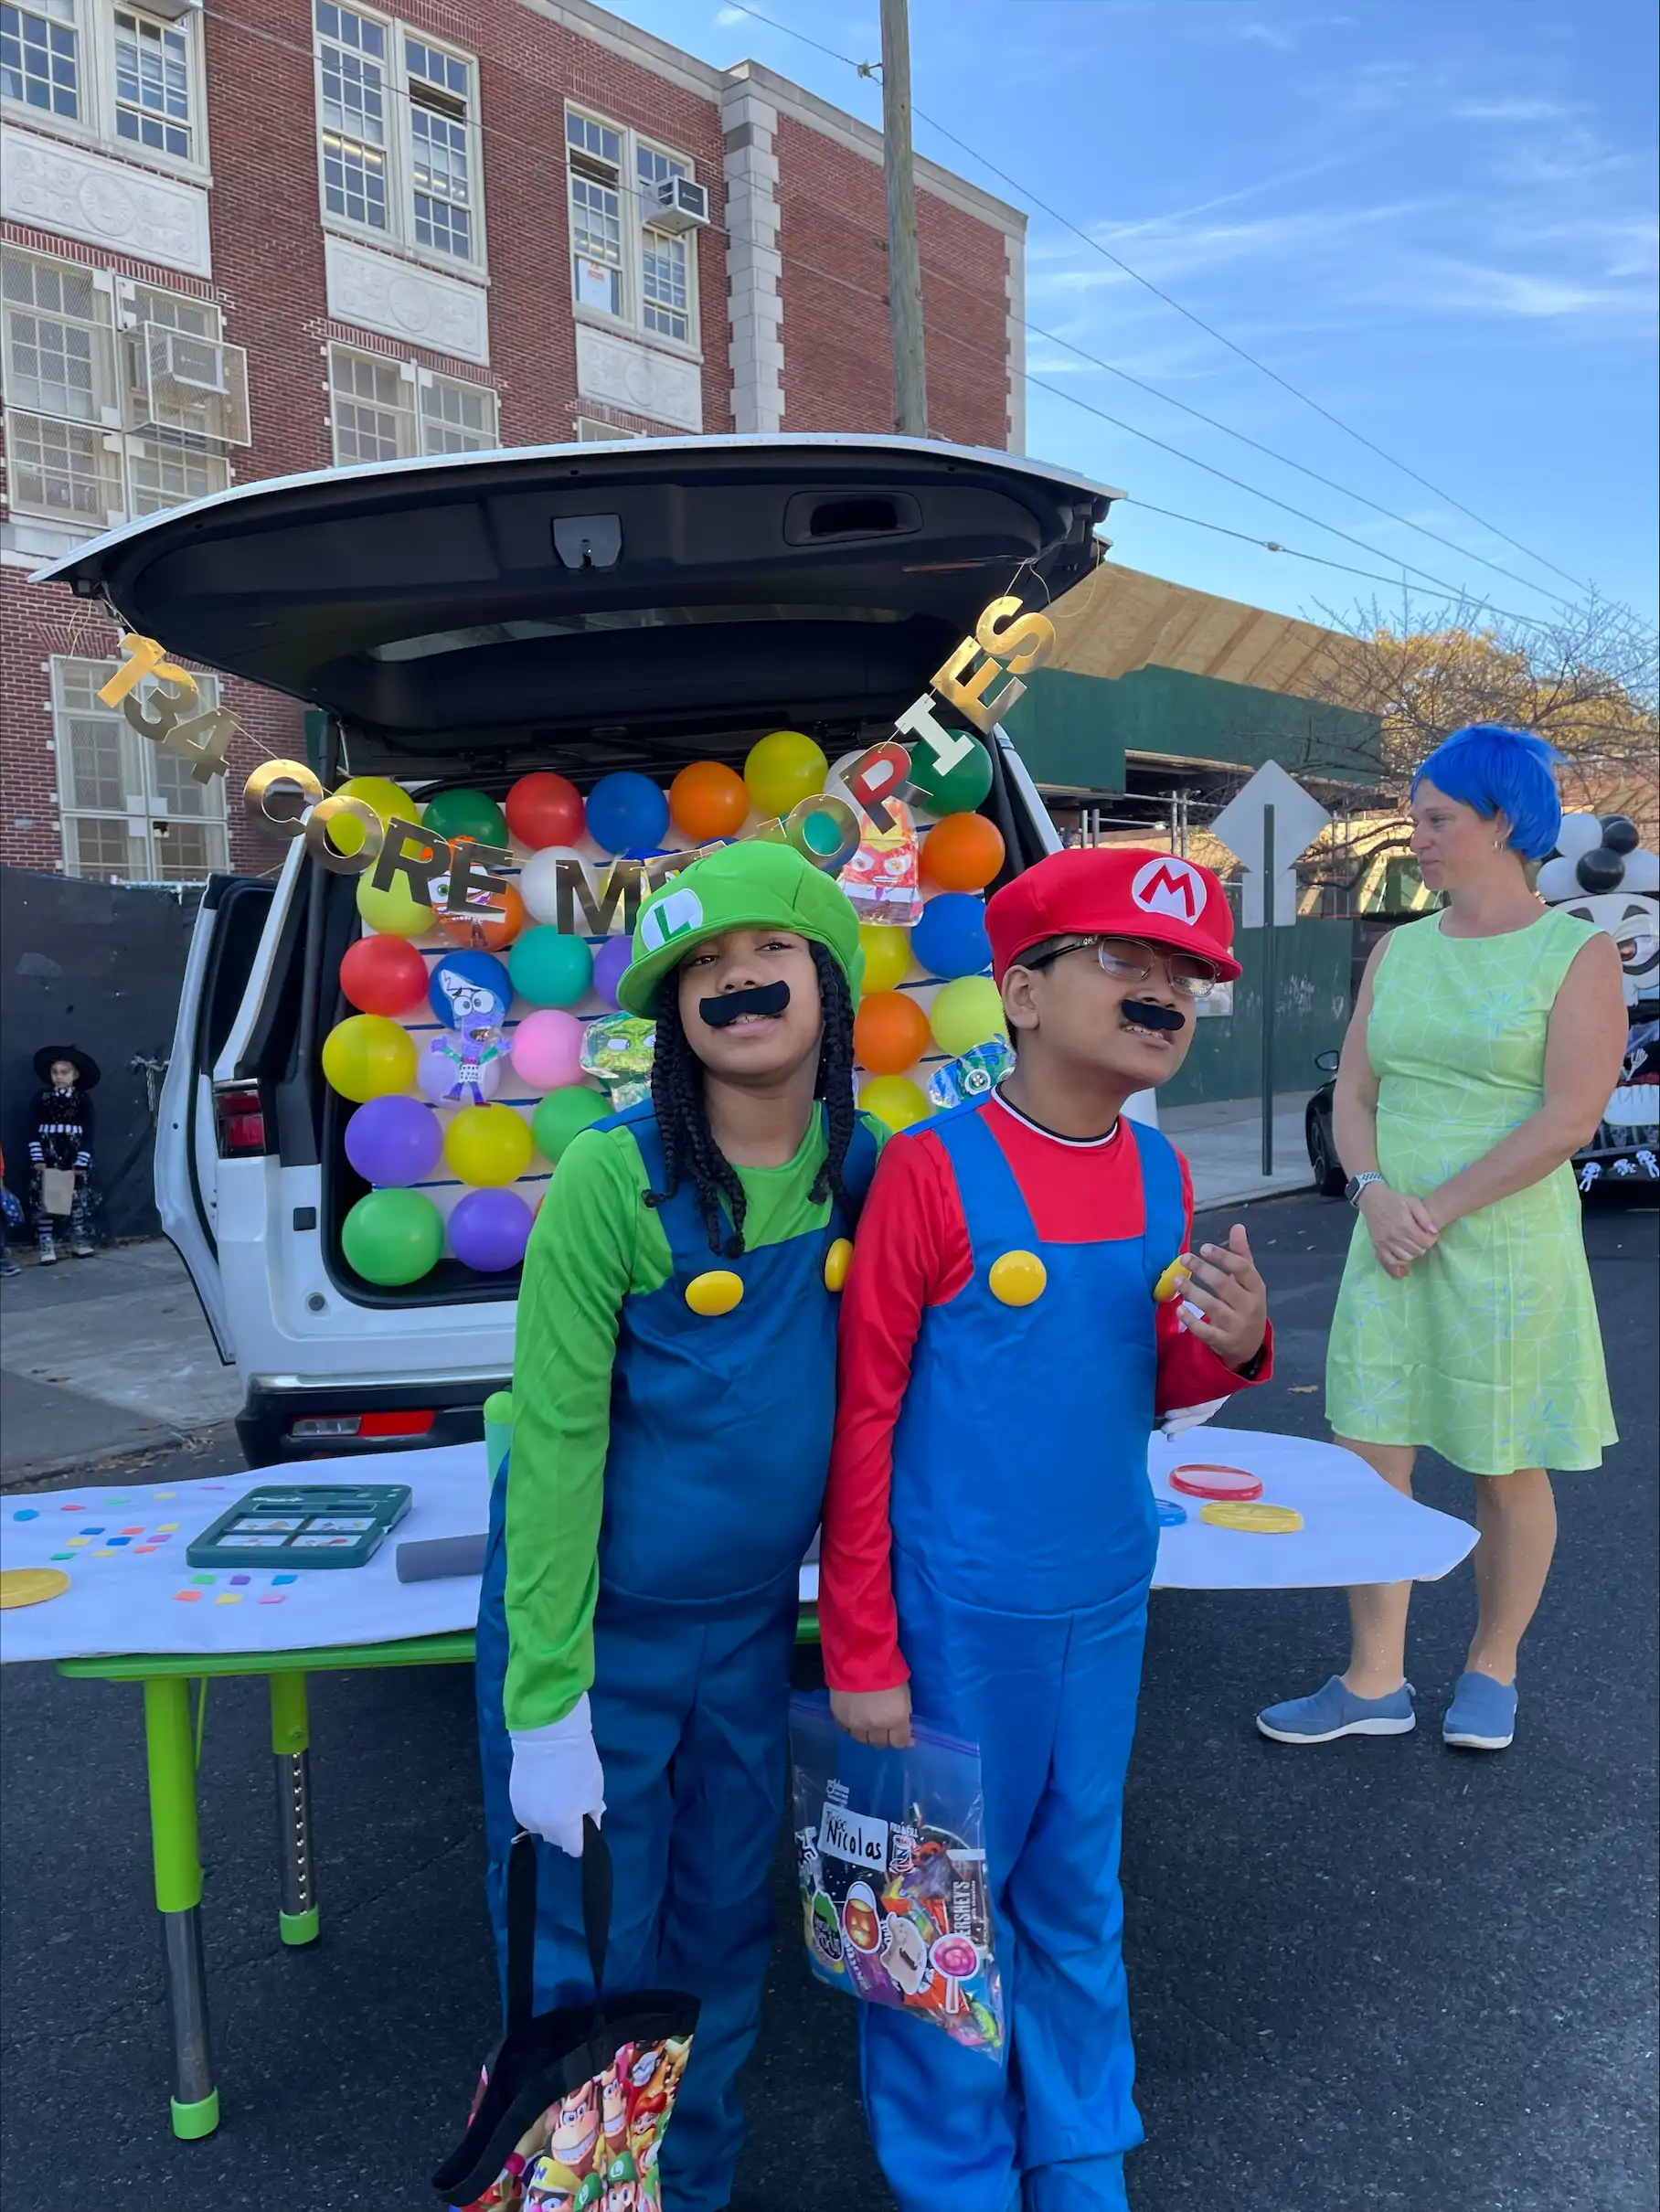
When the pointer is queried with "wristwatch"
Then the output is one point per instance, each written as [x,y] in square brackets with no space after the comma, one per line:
[1356,1184]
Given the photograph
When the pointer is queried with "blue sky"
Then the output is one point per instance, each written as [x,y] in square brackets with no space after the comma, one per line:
[1437,218]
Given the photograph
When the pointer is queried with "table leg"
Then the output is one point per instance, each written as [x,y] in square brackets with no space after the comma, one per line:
[290,1741]
[170,1747]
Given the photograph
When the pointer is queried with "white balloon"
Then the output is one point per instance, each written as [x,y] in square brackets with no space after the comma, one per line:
[1579,834]
[1557,881]
[1641,871]
[537,883]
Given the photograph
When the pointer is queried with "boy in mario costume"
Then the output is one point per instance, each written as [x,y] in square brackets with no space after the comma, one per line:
[989,1529]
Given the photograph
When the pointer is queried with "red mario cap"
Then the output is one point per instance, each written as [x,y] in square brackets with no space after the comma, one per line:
[1114,891]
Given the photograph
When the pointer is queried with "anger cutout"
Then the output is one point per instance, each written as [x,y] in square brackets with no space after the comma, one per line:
[731,1006]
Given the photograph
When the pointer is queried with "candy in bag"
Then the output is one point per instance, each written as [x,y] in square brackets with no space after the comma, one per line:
[974,1076]
[891,1857]
[618,1049]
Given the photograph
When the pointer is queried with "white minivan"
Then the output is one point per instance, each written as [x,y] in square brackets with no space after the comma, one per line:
[460,621]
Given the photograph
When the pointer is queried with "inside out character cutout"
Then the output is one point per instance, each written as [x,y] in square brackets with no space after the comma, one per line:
[470,992]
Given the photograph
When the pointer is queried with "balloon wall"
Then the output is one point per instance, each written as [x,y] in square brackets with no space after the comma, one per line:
[473,1050]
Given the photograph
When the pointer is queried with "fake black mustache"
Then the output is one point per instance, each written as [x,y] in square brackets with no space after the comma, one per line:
[763,998]
[1149,1016]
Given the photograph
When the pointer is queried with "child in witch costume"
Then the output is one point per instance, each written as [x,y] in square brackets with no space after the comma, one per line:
[60,1149]
[989,1528]
[673,1388]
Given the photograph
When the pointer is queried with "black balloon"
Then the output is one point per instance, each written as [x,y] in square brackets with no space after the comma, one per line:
[1620,833]
[1601,871]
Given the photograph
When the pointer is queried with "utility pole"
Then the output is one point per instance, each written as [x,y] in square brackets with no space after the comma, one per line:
[904,269]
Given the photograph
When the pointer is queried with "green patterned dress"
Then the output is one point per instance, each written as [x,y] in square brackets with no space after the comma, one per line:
[1488,1351]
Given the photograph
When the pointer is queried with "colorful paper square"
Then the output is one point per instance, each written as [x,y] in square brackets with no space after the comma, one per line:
[187,1597]
[228,1597]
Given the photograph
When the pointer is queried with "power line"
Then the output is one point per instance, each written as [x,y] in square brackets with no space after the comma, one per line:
[865,68]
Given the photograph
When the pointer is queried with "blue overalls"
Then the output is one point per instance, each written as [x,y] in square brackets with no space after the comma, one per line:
[721,1431]
[1025,1534]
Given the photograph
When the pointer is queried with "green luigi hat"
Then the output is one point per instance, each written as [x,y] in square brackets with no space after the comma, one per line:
[753,885]
[622,2168]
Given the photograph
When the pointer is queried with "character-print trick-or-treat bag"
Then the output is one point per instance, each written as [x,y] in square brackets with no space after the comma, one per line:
[570,2113]
[890,1855]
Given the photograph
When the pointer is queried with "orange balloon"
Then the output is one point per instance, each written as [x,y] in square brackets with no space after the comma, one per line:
[489,929]
[709,800]
[963,852]
[890,1033]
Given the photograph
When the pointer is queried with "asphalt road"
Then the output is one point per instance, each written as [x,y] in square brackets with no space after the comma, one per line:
[1378,1975]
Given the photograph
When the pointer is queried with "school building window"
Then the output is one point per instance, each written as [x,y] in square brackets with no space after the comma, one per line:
[133,812]
[130,78]
[621,263]
[386,410]
[398,135]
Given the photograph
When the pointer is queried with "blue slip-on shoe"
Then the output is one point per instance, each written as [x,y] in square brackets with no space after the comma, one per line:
[1336,1711]
[1481,1715]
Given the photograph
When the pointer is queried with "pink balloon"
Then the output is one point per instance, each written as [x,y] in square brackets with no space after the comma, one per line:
[548,1049]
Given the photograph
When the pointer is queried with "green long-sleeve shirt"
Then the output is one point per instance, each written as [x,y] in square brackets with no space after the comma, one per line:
[594,1244]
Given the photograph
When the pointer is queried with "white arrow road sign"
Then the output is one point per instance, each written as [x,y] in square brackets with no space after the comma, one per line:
[1298,821]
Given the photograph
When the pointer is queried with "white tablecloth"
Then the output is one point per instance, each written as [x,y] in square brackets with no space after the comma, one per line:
[132,1590]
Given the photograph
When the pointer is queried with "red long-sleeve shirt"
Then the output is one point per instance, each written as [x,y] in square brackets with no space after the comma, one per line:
[912,1253]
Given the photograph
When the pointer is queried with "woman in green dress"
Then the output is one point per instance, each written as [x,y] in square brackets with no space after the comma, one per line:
[1484,1044]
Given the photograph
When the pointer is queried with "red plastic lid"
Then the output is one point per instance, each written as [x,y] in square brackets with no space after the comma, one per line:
[1202,1479]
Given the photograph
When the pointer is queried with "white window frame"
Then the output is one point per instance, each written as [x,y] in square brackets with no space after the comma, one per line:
[420,429]
[633,227]
[399,233]
[115,443]
[145,776]
[591,430]
[98,125]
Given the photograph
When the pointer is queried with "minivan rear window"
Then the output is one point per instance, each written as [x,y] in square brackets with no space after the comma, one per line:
[617,618]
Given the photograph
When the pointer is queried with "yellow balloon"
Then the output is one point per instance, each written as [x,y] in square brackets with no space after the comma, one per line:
[782,769]
[379,792]
[366,1055]
[1017,1277]
[714,1293]
[887,956]
[896,1099]
[488,1145]
[966,1014]
[837,1263]
[394,913]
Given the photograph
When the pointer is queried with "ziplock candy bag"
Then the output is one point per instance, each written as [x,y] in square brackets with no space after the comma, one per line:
[891,1857]
[884,878]
[974,1076]
[618,1049]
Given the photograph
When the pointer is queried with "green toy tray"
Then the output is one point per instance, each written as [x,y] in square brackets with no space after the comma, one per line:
[324,1525]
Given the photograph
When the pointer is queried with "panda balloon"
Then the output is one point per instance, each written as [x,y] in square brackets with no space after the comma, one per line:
[1601,872]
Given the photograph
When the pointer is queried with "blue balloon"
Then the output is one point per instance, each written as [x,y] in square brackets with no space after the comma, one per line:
[950,938]
[627,812]
[461,983]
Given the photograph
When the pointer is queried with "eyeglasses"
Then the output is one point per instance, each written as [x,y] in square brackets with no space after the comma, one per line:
[1129,963]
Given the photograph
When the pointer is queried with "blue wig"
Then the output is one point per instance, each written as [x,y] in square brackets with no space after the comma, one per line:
[1501,771]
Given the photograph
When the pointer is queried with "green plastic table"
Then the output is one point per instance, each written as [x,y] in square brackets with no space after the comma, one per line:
[171,1754]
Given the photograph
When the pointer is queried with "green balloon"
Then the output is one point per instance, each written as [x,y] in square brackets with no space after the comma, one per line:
[465,813]
[550,968]
[393,1236]
[563,1114]
[957,790]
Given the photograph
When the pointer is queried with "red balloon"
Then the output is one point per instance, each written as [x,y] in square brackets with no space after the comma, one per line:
[545,809]
[383,976]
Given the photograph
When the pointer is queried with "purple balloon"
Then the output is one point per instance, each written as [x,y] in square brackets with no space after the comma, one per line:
[609,962]
[489,1230]
[393,1141]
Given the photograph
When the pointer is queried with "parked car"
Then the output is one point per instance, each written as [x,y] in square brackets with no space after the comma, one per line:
[1330,1180]
[464,619]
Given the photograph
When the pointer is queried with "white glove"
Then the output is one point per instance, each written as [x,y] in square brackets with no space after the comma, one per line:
[1182,1418]
[556,1777]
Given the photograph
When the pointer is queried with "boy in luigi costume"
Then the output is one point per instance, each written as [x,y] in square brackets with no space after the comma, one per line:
[673,1389]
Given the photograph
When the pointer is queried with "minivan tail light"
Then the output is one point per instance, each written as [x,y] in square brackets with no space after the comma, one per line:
[401,1421]
[239,1114]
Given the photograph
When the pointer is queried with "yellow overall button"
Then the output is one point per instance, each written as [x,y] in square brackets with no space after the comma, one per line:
[1017,1277]
[835,1263]
[717,1292]
[1169,1284]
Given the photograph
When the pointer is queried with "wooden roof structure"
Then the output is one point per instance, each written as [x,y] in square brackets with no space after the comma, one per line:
[1119,619]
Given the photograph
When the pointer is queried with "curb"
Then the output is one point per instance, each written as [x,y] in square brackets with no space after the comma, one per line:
[1249,1194]
[160,1440]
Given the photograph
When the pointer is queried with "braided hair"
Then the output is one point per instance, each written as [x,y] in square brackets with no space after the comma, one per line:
[689,1149]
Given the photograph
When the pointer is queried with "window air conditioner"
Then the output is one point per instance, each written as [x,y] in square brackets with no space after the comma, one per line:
[681,205]
[196,364]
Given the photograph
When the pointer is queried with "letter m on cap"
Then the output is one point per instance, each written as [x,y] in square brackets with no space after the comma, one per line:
[1167,886]
[675,915]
